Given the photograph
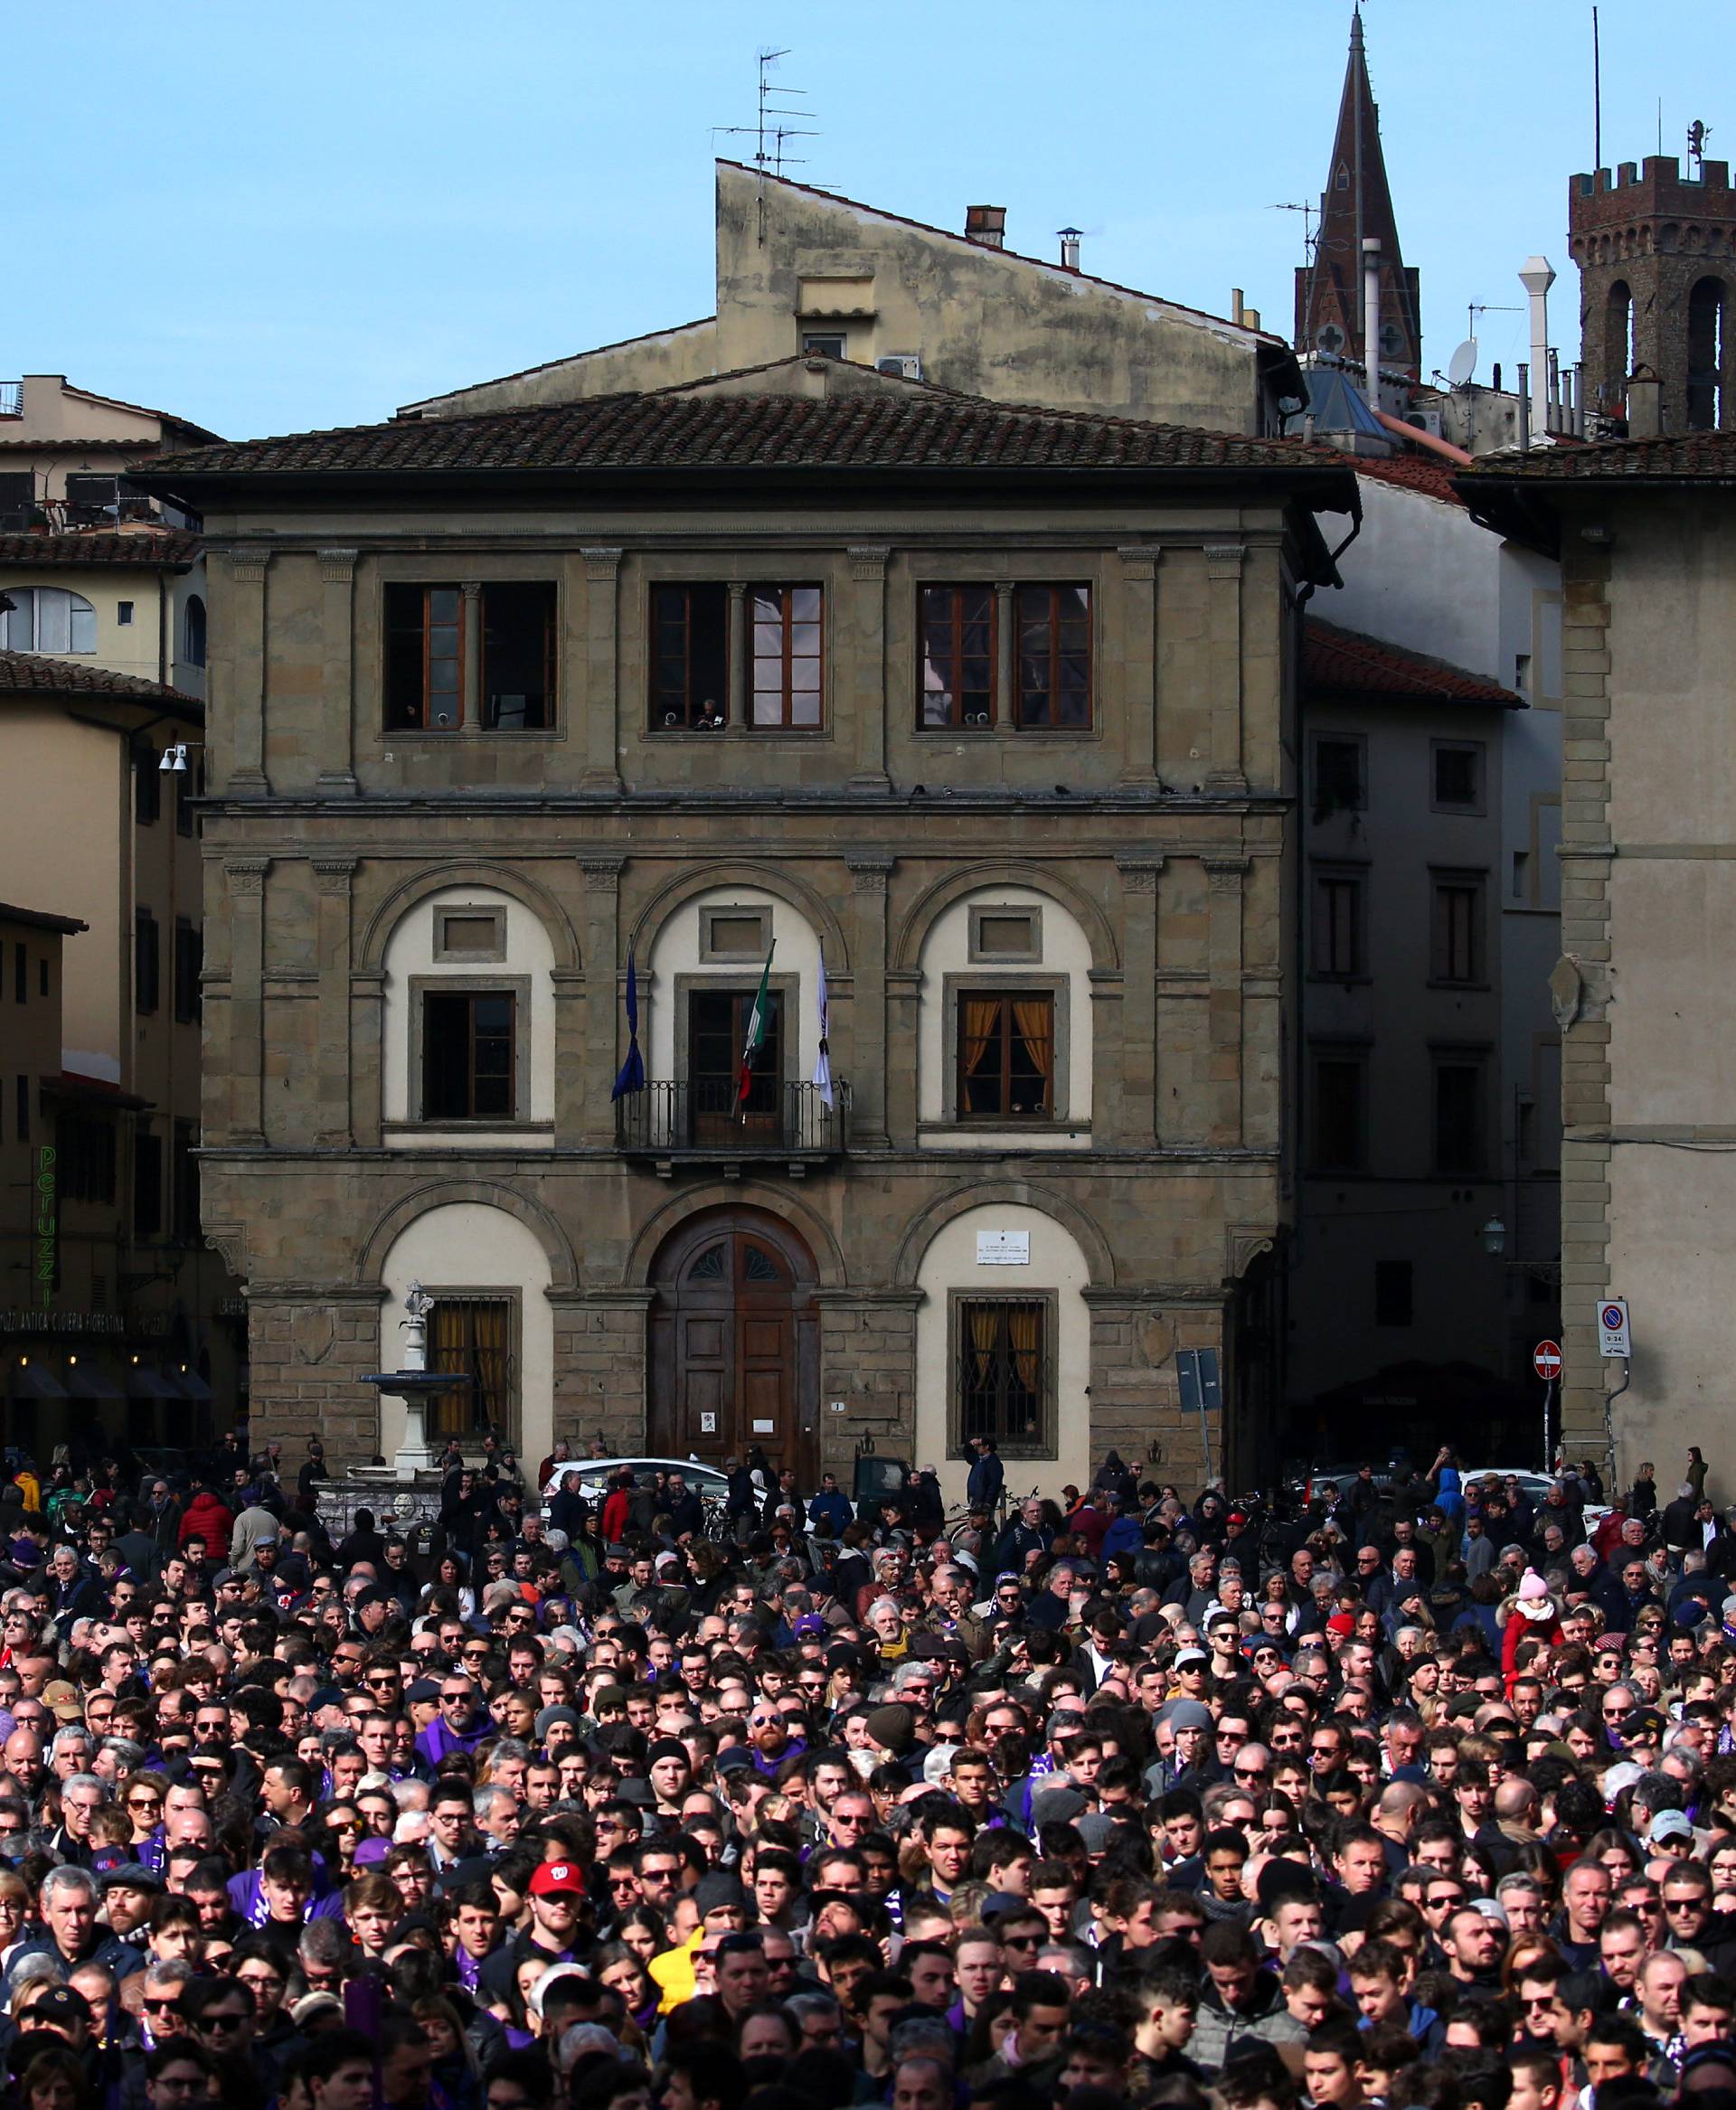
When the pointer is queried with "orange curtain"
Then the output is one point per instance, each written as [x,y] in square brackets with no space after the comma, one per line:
[983,1329]
[1024,1331]
[448,1348]
[982,1014]
[491,1359]
[1035,1019]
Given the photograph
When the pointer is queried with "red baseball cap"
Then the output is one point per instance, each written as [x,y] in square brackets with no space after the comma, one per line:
[555,1876]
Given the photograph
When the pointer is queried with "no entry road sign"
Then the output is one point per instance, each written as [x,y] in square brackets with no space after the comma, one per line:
[1546,1360]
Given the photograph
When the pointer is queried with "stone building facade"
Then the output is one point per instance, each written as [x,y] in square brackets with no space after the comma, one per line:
[986,715]
[1656,252]
[1647,540]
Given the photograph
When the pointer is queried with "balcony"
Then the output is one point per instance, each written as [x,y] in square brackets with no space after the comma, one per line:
[700,1123]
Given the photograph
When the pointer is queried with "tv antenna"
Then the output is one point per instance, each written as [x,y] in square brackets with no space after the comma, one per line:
[1310,214]
[1478,307]
[768,156]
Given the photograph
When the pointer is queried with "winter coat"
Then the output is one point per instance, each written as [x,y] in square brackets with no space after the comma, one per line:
[207,1518]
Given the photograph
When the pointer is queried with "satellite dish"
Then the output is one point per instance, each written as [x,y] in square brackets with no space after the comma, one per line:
[1463,364]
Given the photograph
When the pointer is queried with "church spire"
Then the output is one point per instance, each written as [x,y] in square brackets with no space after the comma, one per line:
[1357,203]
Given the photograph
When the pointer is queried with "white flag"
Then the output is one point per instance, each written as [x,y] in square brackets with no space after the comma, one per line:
[823,1061]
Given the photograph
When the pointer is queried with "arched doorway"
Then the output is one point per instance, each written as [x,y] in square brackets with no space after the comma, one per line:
[734,1347]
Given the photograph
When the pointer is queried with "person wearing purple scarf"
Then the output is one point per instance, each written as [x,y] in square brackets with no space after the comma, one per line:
[460,1724]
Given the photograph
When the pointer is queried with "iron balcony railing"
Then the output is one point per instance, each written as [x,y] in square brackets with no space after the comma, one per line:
[779,1120]
[12,399]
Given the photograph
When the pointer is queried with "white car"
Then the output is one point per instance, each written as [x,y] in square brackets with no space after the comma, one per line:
[596,1474]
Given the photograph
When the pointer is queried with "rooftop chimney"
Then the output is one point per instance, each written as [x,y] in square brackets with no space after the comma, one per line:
[1070,248]
[1537,277]
[1645,404]
[987,224]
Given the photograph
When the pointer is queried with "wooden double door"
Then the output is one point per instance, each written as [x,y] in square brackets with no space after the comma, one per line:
[734,1346]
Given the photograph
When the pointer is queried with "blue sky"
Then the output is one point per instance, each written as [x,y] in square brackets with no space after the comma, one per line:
[275,216]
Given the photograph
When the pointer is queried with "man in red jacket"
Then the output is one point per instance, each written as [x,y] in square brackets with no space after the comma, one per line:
[207,1518]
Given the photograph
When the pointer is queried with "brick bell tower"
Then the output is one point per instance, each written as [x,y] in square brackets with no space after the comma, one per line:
[1357,204]
[1656,252]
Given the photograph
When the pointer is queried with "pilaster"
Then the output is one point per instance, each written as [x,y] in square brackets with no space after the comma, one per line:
[602,669]
[337,737]
[1139,665]
[1135,1110]
[470,675]
[869,1073]
[1225,881]
[332,879]
[246,880]
[582,1103]
[868,699]
[1223,563]
[246,569]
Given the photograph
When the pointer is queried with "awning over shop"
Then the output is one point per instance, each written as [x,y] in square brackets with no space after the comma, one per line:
[192,1386]
[30,1380]
[86,1381]
[151,1384]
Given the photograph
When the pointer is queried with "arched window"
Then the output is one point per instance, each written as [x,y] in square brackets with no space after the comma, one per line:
[193,625]
[1707,355]
[47,618]
[1618,347]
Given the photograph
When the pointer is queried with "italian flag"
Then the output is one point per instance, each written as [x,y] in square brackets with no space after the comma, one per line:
[756,1034]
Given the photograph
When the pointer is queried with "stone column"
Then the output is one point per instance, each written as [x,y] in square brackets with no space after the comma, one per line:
[602,670]
[1223,562]
[868,697]
[869,873]
[1225,879]
[587,1099]
[246,655]
[470,677]
[338,719]
[1139,674]
[331,877]
[246,877]
[737,696]
[1137,1101]
[1005,622]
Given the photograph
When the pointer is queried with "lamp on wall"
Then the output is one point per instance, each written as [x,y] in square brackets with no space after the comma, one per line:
[1494,1235]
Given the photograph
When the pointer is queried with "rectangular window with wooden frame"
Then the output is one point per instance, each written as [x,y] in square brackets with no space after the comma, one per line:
[786,640]
[469,1055]
[148,1182]
[1339,1140]
[1457,942]
[426,643]
[472,1335]
[1459,1127]
[1002,1385]
[189,963]
[148,963]
[1052,659]
[1338,950]
[424,658]
[1006,1055]
[959,647]
[690,658]
[518,656]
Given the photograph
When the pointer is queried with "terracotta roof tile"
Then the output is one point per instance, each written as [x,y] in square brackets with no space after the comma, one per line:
[170,550]
[894,426]
[1345,662]
[1673,458]
[31,674]
[1413,472]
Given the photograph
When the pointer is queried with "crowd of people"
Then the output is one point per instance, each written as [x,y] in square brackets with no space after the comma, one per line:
[590,1791]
